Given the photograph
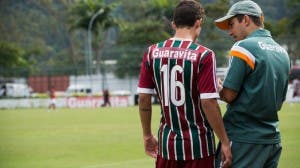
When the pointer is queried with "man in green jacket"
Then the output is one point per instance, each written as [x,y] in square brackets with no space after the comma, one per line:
[254,88]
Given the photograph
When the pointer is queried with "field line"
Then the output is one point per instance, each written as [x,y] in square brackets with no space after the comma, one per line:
[116,163]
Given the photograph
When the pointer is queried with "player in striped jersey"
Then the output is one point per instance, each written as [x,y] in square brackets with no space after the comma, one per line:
[183,75]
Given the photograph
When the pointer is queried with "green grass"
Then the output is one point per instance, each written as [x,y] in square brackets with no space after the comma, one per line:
[99,138]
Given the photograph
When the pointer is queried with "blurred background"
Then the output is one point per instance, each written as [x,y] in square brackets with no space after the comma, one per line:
[83,47]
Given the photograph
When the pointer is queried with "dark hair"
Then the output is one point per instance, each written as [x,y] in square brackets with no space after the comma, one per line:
[187,12]
[256,20]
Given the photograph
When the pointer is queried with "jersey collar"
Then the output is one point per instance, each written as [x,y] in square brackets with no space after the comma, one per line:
[181,39]
[260,33]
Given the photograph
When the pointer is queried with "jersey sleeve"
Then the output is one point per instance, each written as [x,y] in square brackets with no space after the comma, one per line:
[146,84]
[207,83]
[243,54]
[238,70]
[241,64]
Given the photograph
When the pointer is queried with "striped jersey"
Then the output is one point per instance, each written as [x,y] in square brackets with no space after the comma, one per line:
[181,73]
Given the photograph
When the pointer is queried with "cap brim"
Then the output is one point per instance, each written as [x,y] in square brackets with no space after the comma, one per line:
[222,23]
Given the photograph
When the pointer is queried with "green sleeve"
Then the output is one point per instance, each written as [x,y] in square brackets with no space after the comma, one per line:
[237,72]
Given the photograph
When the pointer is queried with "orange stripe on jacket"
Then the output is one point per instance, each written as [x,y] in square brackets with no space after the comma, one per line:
[243,57]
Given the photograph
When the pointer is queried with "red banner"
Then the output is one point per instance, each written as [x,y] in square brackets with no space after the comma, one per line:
[95,102]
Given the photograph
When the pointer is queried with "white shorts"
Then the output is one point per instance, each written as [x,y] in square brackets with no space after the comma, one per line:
[52,101]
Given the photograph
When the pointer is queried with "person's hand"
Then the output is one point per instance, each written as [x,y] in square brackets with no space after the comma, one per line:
[220,84]
[151,146]
[226,156]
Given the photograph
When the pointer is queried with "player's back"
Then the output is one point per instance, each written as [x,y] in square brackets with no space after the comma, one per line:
[176,67]
[182,73]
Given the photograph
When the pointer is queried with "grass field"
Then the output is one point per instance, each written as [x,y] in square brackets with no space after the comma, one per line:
[99,138]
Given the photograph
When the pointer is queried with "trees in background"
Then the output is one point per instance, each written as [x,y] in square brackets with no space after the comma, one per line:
[40,32]
[287,30]
[95,18]
[213,37]
[11,56]
[39,29]
[293,30]
[141,24]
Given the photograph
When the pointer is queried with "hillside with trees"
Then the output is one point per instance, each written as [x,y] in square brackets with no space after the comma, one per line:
[48,37]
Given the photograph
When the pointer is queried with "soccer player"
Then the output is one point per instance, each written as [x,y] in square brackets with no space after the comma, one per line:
[254,88]
[52,101]
[296,86]
[183,75]
[106,100]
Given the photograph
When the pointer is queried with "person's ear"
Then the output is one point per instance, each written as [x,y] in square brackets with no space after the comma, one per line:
[247,20]
[198,23]
[173,25]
